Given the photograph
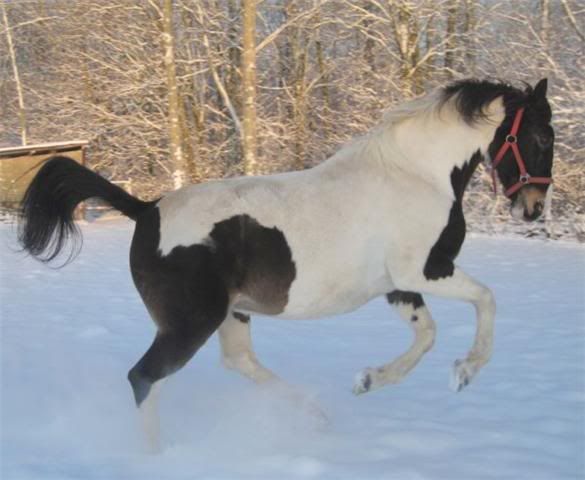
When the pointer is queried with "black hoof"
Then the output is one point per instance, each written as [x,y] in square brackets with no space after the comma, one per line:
[367,382]
[140,386]
[363,382]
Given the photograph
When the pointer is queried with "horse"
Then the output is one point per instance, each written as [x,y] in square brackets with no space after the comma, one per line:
[382,216]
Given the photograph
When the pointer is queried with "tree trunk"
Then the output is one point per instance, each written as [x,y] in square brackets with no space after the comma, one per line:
[369,45]
[544,31]
[249,136]
[450,33]
[470,35]
[322,67]
[406,36]
[174,101]
[17,81]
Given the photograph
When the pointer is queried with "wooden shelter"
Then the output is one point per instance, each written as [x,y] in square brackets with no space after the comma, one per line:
[18,165]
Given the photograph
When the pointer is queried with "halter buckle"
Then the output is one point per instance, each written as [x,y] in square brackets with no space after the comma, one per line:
[524,178]
[511,138]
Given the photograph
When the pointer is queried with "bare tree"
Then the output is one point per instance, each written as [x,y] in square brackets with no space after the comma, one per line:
[450,47]
[249,129]
[17,81]
[174,103]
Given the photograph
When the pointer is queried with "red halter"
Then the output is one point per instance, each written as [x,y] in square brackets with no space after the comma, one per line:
[512,142]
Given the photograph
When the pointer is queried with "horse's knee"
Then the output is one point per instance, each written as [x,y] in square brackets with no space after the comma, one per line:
[485,300]
[229,362]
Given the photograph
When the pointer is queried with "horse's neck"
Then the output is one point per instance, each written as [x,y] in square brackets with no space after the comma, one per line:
[439,149]
[433,148]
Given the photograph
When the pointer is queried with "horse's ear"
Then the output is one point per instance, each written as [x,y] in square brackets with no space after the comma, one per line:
[540,89]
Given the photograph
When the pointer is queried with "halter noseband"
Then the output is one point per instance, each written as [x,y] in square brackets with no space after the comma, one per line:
[512,142]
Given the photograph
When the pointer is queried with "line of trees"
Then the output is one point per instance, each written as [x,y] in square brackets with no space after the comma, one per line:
[178,91]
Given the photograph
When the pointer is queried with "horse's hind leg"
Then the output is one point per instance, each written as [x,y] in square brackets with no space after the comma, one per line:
[237,354]
[412,309]
[186,312]
[168,353]
[146,379]
[236,349]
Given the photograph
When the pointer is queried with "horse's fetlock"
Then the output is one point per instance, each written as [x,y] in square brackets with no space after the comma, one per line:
[228,363]
[236,362]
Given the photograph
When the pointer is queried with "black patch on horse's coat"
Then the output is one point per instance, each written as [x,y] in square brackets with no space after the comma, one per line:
[255,262]
[367,382]
[471,97]
[188,291]
[140,386]
[184,294]
[414,318]
[460,177]
[242,317]
[439,263]
[408,298]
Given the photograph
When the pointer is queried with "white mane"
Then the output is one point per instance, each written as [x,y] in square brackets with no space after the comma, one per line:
[425,105]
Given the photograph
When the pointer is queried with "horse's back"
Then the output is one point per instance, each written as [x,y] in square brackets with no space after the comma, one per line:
[188,215]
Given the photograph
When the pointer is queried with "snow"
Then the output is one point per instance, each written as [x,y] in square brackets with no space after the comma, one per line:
[69,337]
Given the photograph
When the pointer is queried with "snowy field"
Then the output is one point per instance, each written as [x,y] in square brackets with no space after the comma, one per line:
[69,337]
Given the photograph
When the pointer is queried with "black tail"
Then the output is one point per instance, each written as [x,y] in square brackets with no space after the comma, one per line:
[46,215]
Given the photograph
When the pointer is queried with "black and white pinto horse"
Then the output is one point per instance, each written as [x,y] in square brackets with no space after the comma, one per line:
[383,216]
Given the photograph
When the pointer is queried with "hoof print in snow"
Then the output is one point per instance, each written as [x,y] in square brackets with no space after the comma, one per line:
[461,375]
[363,382]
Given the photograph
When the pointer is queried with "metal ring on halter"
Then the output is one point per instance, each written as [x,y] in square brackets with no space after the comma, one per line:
[511,138]
[524,178]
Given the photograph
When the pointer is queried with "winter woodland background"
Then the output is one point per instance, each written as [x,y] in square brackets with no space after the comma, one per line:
[170,92]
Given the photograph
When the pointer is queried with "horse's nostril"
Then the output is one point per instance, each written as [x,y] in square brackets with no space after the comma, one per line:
[531,216]
[538,207]
[536,211]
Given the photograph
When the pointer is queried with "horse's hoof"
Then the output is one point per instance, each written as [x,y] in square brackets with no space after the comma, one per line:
[306,404]
[363,381]
[461,375]
[320,418]
[153,448]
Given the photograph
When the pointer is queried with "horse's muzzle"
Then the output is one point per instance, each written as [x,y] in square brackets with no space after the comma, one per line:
[536,212]
[529,204]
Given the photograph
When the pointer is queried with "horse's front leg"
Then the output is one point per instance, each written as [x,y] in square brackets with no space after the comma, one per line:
[454,283]
[414,312]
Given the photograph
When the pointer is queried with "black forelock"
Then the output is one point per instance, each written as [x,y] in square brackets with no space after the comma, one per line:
[471,97]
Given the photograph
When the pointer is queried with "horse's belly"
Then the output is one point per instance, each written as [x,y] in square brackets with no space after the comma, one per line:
[314,308]
[326,295]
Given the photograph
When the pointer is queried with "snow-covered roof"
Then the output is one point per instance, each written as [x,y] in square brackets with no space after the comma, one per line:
[42,148]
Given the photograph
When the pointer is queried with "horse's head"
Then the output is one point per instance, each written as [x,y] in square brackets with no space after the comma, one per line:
[522,153]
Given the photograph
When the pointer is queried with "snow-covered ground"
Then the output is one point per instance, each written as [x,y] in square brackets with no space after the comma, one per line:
[69,336]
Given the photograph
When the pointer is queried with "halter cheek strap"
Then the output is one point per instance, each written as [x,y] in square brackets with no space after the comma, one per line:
[512,142]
